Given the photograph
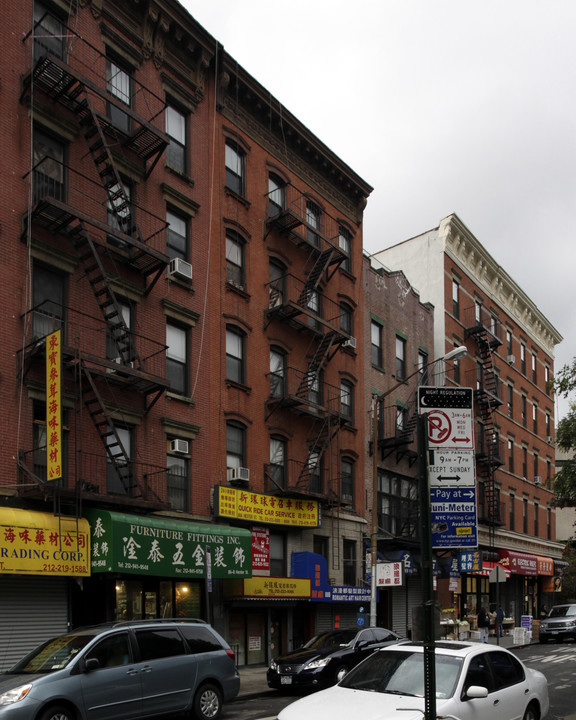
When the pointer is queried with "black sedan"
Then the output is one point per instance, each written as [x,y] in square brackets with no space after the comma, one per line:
[327,657]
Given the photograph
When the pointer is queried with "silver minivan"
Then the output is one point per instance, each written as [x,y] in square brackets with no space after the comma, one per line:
[123,671]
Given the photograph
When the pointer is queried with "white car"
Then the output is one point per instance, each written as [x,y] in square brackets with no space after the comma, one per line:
[474,681]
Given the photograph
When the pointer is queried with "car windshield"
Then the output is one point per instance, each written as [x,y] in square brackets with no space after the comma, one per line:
[402,673]
[331,640]
[562,611]
[52,655]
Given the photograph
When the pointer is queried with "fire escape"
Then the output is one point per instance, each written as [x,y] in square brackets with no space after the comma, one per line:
[303,305]
[95,215]
[485,330]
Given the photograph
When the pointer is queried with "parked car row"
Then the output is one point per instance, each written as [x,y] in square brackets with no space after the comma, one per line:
[123,671]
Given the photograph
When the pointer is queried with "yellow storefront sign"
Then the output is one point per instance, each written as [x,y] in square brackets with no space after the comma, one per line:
[34,543]
[54,405]
[260,508]
[277,587]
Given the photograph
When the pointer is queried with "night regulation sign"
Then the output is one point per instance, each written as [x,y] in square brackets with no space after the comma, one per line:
[450,417]
[453,512]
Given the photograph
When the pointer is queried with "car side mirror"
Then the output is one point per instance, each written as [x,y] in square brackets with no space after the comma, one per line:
[475,691]
[91,664]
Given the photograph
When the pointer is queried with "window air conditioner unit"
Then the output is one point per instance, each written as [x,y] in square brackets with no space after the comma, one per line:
[538,479]
[241,474]
[180,269]
[179,446]
[511,359]
[350,343]
[549,439]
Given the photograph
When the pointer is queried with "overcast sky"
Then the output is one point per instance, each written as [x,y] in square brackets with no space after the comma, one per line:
[465,106]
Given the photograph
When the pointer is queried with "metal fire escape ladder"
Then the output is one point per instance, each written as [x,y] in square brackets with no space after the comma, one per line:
[104,294]
[323,262]
[485,408]
[108,433]
[321,441]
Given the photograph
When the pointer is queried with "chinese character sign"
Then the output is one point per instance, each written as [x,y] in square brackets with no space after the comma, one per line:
[147,546]
[261,549]
[54,405]
[260,508]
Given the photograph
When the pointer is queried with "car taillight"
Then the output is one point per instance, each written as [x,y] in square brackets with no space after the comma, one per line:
[231,654]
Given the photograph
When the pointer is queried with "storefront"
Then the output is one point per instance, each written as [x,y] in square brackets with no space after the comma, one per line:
[43,559]
[151,566]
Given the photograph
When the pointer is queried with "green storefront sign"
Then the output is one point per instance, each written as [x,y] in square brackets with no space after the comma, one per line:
[161,546]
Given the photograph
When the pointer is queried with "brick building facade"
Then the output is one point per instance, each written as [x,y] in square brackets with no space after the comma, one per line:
[510,365]
[197,253]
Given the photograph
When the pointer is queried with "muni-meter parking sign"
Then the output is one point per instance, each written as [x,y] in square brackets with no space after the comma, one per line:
[451,465]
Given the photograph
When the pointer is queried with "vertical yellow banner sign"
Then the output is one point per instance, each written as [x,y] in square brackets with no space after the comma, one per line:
[54,405]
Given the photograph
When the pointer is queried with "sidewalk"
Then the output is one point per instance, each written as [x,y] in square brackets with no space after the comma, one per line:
[253,677]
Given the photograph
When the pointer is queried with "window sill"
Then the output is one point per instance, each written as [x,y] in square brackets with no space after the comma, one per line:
[231,193]
[239,386]
[171,395]
[180,174]
[186,284]
[239,289]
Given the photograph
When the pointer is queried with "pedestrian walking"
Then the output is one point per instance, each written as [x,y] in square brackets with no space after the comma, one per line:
[483,624]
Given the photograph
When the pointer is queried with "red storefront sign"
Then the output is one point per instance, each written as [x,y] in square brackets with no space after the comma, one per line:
[518,563]
[260,549]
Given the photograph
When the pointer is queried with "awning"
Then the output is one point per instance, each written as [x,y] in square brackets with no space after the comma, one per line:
[151,545]
[36,543]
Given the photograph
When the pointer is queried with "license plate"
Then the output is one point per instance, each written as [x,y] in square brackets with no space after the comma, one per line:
[286,680]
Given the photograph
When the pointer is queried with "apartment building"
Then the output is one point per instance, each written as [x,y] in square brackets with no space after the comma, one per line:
[181,280]
[399,330]
[510,364]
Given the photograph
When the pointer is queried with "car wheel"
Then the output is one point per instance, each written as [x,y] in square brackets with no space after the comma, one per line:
[207,702]
[57,712]
[340,673]
[531,712]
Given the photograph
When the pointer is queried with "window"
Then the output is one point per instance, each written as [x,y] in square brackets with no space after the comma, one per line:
[112,651]
[119,85]
[523,358]
[48,297]
[277,556]
[536,513]
[49,33]
[276,195]
[535,417]
[119,210]
[456,370]
[548,427]
[177,236]
[547,379]
[397,504]
[235,168]
[313,219]
[277,275]
[524,418]
[48,160]
[176,153]
[510,401]
[235,341]
[39,442]
[235,259]
[315,387]
[346,318]
[277,373]
[376,343]
[479,673]
[277,463]
[455,299]
[511,455]
[508,342]
[347,488]
[548,523]
[159,643]
[401,419]
[511,515]
[118,473]
[314,306]
[525,462]
[400,358]
[177,358]
[320,546]
[536,473]
[314,471]
[349,553]
[534,368]
[422,368]
[524,515]
[177,482]
[235,445]
[506,670]
[345,244]
[119,342]
[346,399]
[478,312]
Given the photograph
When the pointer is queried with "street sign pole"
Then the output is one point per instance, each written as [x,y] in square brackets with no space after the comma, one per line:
[427,571]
